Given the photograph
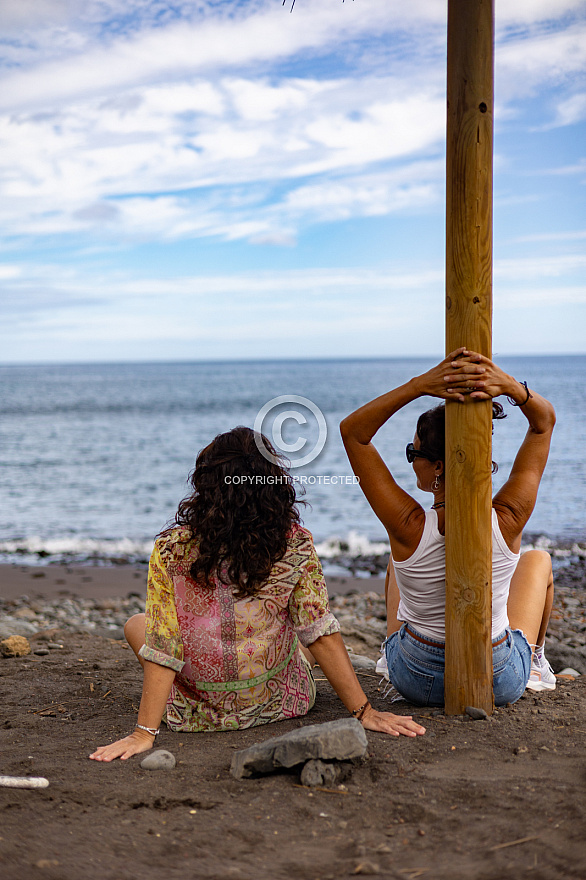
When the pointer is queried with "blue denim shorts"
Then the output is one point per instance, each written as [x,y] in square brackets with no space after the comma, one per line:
[417,670]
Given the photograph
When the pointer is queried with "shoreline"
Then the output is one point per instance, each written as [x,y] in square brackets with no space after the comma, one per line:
[105,582]
[91,581]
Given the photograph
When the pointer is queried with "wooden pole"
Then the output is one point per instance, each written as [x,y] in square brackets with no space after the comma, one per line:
[468,675]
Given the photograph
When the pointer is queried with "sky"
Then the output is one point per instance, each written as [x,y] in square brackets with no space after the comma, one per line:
[240,179]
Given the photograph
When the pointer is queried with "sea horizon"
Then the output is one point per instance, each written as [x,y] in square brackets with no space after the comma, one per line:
[259,360]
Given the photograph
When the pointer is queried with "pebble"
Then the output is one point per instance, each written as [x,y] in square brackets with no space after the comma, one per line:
[41,652]
[476,714]
[318,772]
[15,646]
[160,759]
[25,617]
[366,868]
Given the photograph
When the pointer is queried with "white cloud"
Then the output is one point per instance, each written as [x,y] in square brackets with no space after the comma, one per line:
[253,289]
[578,168]
[524,268]
[410,188]
[34,14]
[132,121]
[193,137]
[184,49]
[529,12]
[137,116]
[532,60]
[85,314]
[542,297]
[8,272]
[571,110]
[571,235]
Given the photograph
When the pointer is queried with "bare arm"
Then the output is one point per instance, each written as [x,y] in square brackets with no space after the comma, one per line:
[400,514]
[515,501]
[332,656]
[156,687]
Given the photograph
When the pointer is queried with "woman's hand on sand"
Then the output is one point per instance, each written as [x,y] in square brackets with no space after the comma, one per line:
[386,722]
[125,748]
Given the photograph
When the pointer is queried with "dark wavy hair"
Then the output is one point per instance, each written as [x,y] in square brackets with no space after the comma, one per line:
[431,430]
[241,510]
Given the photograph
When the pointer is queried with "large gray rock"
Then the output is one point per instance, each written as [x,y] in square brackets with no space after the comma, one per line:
[335,740]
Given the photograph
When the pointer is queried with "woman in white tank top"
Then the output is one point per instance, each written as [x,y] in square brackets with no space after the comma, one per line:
[415,588]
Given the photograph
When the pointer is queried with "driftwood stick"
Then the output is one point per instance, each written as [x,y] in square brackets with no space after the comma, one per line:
[23,782]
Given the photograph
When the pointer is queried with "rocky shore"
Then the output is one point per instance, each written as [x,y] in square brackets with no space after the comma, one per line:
[362,616]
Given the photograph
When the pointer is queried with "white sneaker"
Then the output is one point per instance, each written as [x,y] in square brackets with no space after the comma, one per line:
[382,668]
[542,676]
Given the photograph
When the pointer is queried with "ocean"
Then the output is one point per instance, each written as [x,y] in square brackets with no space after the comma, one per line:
[95,457]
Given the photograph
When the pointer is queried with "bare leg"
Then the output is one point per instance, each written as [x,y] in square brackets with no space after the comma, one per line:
[134,630]
[392,600]
[531,595]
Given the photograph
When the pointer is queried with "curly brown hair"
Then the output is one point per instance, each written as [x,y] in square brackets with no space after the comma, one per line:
[241,510]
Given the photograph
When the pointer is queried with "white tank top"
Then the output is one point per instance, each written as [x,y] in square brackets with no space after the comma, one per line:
[422,581]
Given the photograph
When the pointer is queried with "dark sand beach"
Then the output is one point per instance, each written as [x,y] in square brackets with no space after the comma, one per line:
[483,799]
[99,582]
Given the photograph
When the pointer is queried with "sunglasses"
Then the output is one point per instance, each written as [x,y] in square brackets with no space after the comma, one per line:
[413,453]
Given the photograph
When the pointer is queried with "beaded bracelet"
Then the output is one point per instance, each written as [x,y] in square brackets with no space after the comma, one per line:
[529,396]
[359,713]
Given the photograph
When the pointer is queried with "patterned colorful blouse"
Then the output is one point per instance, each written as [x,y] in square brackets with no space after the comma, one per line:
[237,660]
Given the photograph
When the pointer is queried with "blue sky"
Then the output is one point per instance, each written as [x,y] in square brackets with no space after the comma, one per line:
[222,179]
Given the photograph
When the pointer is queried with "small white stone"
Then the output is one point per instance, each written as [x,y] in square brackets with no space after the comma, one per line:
[161,759]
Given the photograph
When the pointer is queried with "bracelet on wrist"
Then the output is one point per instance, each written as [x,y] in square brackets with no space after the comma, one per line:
[529,396]
[360,712]
[152,730]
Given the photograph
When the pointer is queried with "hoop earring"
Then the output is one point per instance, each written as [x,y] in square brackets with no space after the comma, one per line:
[436,484]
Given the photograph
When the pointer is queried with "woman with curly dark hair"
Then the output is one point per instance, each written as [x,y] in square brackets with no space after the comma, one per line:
[522,586]
[233,588]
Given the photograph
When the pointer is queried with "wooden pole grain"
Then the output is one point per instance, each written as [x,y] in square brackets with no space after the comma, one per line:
[468,674]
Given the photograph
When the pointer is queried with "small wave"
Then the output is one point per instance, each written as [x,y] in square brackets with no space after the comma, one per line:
[36,550]
[354,544]
[353,553]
